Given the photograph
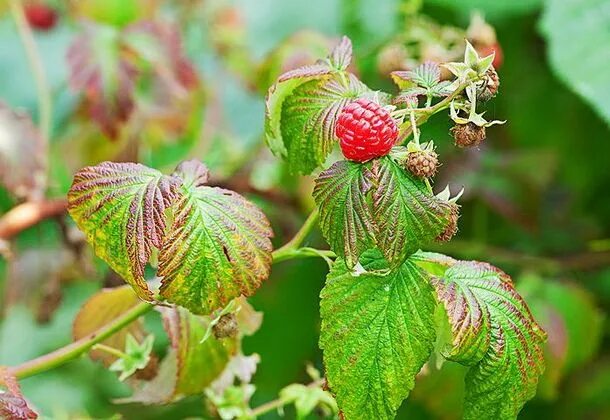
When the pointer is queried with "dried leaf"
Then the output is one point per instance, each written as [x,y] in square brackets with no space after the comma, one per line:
[12,404]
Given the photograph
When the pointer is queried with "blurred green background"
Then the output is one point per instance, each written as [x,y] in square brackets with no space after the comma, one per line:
[536,197]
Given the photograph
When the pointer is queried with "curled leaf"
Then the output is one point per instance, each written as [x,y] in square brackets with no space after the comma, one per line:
[493,332]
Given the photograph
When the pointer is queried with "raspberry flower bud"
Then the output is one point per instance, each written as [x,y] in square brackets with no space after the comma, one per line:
[365,130]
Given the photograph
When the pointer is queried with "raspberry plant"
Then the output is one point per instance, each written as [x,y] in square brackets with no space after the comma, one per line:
[194,251]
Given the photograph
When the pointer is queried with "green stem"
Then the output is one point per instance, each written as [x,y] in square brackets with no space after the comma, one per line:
[73,350]
[427,112]
[110,350]
[289,254]
[414,128]
[280,402]
[300,236]
[40,79]
[79,347]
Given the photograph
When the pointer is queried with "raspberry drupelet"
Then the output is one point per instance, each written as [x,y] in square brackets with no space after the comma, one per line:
[365,130]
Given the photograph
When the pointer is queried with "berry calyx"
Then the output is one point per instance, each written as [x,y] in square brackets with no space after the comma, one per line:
[452,227]
[485,50]
[490,86]
[468,135]
[423,163]
[365,130]
[40,16]
[226,327]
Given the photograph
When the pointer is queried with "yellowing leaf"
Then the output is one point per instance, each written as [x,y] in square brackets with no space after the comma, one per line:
[217,247]
[493,332]
[120,207]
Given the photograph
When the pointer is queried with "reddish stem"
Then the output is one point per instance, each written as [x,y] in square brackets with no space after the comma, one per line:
[28,214]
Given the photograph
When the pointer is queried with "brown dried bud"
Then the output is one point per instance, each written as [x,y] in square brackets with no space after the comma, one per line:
[422,164]
[226,327]
[149,371]
[452,227]
[468,135]
[490,85]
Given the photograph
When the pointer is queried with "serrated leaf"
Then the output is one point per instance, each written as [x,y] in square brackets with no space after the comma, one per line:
[341,56]
[23,155]
[120,207]
[216,248]
[345,217]
[276,96]
[494,333]
[377,205]
[406,214]
[190,366]
[308,119]
[139,68]
[577,35]
[102,308]
[426,75]
[377,332]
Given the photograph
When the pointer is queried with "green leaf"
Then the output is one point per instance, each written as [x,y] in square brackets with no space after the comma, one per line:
[493,332]
[406,214]
[490,8]
[190,366]
[341,56]
[381,205]
[577,36]
[217,246]
[308,118]
[120,207]
[377,332]
[345,216]
[102,308]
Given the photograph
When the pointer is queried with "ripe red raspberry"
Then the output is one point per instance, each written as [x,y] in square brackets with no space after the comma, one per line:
[365,130]
[40,16]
